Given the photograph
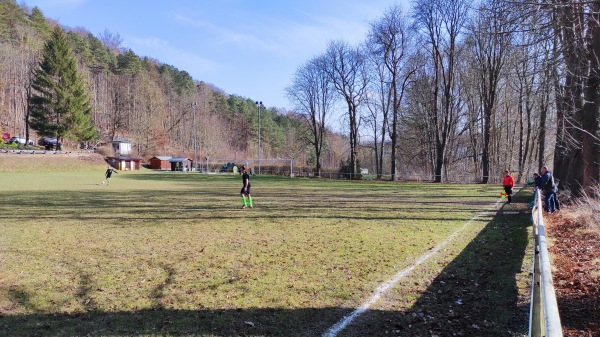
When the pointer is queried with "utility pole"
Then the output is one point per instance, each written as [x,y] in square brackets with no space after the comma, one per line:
[260,105]
[194,114]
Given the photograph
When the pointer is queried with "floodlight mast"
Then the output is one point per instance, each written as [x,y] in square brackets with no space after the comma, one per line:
[194,114]
[260,105]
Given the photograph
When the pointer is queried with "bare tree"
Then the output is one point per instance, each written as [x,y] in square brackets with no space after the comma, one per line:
[345,66]
[388,43]
[312,94]
[545,104]
[112,41]
[418,131]
[533,86]
[577,161]
[491,34]
[442,22]
[378,106]
[473,105]
[576,72]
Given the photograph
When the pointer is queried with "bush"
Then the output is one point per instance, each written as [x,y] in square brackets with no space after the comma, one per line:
[346,169]
[587,210]
[11,146]
[106,151]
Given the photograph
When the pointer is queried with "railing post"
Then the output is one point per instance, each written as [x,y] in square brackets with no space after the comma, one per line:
[544,316]
[536,321]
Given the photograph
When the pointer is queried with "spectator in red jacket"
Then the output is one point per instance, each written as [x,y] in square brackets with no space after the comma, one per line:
[508,184]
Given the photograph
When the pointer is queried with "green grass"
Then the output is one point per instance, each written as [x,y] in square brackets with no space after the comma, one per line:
[174,255]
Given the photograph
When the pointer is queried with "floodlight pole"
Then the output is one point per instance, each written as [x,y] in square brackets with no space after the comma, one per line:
[259,104]
[194,114]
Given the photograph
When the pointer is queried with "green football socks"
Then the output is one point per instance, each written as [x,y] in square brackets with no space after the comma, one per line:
[244,201]
[250,200]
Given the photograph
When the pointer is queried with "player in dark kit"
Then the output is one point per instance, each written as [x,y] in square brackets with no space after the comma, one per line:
[245,192]
[108,174]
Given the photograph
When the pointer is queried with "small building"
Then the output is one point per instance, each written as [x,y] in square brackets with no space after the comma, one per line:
[181,164]
[160,163]
[124,163]
[121,146]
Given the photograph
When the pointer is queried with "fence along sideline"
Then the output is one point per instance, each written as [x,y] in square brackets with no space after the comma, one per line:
[544,319]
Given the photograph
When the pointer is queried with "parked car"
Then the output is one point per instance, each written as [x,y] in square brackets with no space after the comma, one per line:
[19,140]
[47,142]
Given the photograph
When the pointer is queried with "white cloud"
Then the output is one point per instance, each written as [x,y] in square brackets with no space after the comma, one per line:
[309,38]
[162,51]
[220,33]
[282,37]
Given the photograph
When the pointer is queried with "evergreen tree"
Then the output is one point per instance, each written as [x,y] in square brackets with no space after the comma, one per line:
[129,63]
[60,106]
[12,18]
[80,46]
[39,23]
[100,57]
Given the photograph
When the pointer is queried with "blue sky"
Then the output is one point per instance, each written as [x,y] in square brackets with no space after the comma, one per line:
[247,48]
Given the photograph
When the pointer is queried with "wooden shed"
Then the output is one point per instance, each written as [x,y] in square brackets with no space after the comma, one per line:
[181,164]
[160,163]
[124,163]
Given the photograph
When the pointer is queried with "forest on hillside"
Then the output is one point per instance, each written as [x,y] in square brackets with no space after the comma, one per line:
[156,105]
[453,90]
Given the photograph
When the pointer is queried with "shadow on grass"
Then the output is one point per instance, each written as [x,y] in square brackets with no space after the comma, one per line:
[167,322]
[475,294]
[219,203]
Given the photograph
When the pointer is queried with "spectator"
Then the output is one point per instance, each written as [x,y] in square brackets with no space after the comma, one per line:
[548,187]
[537,180]
[508,183]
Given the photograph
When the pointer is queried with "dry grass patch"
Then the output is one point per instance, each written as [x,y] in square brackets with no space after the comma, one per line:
[16,163]
[586,211]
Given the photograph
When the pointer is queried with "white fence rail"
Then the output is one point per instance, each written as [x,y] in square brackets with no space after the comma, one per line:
[544,319]
[24,153]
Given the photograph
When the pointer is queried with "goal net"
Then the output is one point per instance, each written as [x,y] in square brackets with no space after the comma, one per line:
[278,166]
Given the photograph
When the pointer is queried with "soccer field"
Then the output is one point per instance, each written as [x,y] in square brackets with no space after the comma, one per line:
[173,254]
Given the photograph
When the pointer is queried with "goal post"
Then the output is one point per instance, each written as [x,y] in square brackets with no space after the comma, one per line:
[273,166]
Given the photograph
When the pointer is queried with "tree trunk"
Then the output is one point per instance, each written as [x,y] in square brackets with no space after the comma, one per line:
[394,134]
[590,142]
[485,153]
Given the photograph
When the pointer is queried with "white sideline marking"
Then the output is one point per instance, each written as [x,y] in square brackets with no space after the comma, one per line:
[346,320]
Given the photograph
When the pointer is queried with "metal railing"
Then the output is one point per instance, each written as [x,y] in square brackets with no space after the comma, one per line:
[544,319]
[455,178]
[299,173]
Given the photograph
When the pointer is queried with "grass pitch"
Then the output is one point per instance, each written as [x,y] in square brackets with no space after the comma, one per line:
[168,254]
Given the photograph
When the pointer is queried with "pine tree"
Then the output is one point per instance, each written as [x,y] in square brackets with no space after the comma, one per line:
[12,18]
[60,106]
[39,23]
